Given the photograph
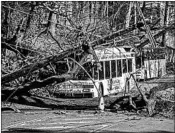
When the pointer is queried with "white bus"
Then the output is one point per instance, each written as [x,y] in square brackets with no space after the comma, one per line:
[116,66]
[151,64]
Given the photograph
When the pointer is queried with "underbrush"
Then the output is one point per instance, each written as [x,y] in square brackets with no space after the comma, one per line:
[165,109]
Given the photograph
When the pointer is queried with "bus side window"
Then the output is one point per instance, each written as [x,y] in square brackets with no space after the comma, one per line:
[119,68]
[129,65]
[95,71]
[113,68]
[82,75]
[138,62]
[143,58]
[101,72]
[124,64]
[107,69]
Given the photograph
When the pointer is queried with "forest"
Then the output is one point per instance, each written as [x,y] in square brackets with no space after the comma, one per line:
[39,37]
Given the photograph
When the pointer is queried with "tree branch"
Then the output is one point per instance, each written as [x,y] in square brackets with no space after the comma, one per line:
[37,84]
[24,71]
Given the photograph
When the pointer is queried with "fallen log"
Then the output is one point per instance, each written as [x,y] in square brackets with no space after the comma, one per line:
[36,84]
[113,103]
[112,36]
[30,68]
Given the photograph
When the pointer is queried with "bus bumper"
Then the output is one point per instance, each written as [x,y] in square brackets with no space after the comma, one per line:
[75,95]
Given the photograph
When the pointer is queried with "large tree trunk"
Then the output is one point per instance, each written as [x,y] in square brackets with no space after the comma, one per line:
[165,20]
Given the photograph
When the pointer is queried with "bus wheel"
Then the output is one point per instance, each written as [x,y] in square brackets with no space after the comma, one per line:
[101,89]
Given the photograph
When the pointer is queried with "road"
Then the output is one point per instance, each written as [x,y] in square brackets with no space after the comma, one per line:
[58,121]
[35,119]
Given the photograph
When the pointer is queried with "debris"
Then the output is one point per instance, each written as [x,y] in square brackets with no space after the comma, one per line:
[133,118]
[60,112]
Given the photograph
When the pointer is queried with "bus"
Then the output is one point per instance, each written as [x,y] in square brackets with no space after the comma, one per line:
[151,63]
[116,64]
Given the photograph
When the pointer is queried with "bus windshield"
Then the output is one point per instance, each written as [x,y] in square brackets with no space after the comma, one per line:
[82,75]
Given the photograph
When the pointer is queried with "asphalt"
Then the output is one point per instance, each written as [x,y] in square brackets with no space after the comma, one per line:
[86,122]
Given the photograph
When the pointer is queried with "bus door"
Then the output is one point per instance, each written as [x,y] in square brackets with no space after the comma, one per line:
[114,82]
[140,65]
[140,60]
[127,65]
[108,76]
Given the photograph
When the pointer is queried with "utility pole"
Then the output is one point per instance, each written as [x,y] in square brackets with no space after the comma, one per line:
[128,17]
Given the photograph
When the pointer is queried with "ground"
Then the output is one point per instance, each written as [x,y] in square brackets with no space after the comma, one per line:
[81,119]
[33,119]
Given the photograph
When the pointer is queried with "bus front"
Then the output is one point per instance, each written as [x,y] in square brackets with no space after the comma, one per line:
[81,86]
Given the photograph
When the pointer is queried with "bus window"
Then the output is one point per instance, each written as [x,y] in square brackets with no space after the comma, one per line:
[95,72]
[124,66]
[129,65]
[119,68]
[113,68]
[101,72]
[138,62]
[82,74]
[107,69]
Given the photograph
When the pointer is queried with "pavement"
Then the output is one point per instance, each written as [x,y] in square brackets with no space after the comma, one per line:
[59,121]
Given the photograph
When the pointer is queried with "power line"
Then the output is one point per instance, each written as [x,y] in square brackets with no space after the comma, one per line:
[17,10]
[11,45]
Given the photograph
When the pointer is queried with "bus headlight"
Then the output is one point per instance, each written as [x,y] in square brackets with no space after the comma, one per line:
[86,90]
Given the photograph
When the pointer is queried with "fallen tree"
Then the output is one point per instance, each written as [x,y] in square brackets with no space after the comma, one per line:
[49,70]
[27,71]
[30,68]
[24,71]
[115,104]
